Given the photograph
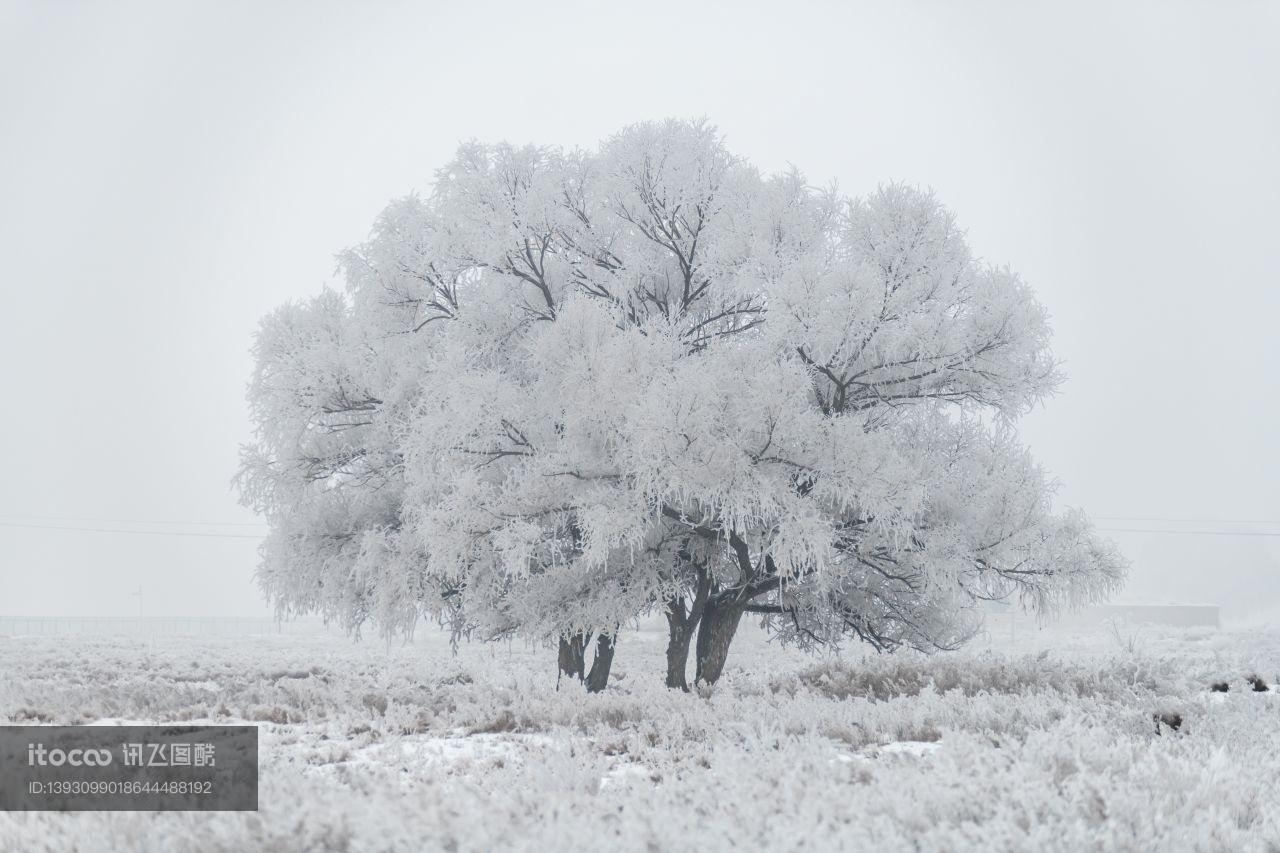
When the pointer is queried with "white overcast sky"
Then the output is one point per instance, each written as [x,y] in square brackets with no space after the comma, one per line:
[171,171]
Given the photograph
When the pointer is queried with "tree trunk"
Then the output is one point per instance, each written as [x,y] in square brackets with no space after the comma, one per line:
[682,623]
[680,630]
[573,657]
[715,632]
[598,678]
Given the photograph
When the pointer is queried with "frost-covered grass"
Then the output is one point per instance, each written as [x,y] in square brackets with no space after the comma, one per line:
[1049,745]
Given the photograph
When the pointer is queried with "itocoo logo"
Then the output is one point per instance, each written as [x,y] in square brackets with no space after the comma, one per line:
[38,756]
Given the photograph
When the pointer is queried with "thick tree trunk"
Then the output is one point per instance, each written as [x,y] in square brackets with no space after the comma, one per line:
[682,623]
[715,632]
[598,678]
[680,630]
[573,656]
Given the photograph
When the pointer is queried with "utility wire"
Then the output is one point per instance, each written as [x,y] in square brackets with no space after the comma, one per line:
[139,532]
[1190,532]
[259,536]
[25,518]
[1184,520]
[259,524]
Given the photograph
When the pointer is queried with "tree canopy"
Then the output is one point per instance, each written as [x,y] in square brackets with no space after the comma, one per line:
[567,388]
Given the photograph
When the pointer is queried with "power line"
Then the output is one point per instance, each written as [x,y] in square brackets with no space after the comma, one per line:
[134,521]
[1190,532]
[138,532]
[1185,520]
[80,529]
[260,524]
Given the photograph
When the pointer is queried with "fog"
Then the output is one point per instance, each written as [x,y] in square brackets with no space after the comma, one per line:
[169,172]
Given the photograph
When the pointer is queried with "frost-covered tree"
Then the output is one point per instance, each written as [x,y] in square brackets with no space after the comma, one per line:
[567,388]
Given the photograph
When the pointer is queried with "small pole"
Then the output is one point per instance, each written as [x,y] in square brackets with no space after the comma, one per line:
[138,592]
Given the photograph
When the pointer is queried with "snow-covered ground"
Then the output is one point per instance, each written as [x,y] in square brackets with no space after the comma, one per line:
[1040,741]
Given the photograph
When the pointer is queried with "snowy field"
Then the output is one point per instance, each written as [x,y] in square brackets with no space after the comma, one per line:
[1045,741]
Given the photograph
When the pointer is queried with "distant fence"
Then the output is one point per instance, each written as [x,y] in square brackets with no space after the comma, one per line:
[148,626]
[1179,615]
